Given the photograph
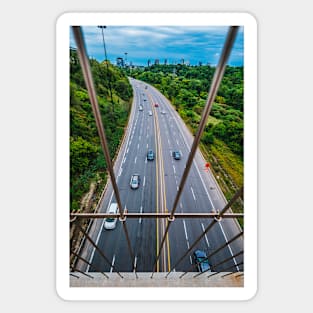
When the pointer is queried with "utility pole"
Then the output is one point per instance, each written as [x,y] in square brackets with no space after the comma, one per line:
[107,66]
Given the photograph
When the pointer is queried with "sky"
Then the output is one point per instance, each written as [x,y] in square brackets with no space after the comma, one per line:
[142,43]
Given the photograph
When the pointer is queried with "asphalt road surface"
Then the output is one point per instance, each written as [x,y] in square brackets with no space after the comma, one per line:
[163,132]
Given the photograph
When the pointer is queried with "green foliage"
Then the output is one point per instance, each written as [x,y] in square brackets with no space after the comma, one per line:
[81,154]
[187,87]
[222,140]
[87,163]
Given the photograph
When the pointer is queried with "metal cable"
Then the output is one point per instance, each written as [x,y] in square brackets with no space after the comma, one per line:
[107,66]
[80,258]
[100,252]
[96,111]
[156,215]
[215,251]
[216,273]
[228,259]
[217,78]
[228,205]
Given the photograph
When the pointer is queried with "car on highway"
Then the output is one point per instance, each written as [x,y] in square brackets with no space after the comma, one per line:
[150,113]
[150,155]
[110,222]
[140,108]
[201,261]
[176,155]
[163,112]
[135,181]
[156,105]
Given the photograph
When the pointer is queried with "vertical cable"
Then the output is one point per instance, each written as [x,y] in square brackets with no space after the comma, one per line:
[228,205]
[107,66]
[96,111]
[218,75]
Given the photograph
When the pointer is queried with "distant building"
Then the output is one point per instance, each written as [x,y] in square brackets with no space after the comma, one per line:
[165,61]
[156,61]
[149,63]
[120,62]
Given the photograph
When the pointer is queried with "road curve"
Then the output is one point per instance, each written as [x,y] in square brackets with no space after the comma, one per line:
[163,132]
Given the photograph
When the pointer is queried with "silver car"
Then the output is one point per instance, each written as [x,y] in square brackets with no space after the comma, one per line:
[110,222]
[135,181]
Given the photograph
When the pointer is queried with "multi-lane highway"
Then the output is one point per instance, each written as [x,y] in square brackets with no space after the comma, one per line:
[164,132]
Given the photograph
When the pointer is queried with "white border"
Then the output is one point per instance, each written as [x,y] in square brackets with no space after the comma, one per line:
[250,155]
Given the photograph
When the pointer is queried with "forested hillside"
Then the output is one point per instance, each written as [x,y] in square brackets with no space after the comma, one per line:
[87,163]
[222,141]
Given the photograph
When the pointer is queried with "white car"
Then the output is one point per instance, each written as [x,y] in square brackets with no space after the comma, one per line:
[141,108]
[150,113]
[134,181]
[110,222]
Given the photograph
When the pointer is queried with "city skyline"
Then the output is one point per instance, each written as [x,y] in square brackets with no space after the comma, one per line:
[138,44]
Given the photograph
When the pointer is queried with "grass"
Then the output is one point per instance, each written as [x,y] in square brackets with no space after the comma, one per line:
[227,168]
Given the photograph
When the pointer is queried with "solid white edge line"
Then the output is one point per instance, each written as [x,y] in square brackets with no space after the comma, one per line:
[230,250]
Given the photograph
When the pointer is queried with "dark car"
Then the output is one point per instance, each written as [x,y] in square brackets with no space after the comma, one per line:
[156,105]
[150,155]
[199,256]
[176,155]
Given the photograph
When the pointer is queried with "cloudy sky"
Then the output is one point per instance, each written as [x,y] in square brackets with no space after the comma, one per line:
[193,44]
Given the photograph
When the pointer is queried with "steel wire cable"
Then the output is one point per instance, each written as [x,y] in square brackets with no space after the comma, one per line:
[78,35]
[217,78]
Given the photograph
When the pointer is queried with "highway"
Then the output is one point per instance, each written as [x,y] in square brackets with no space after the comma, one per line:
[163,132]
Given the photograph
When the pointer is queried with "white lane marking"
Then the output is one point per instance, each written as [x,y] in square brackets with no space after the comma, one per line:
[174,169]
[127,150]
[131,140]
[135,159]
[230,250]
[99,234]
[206,238]
[138,146]
[147,146]
[193,194]
[168,141]
[185,229]
[113,261]
[190,259]
[124,160]
[177,142]
[196,166]
[135,263]
[120,171]
[139,138]
[140,217]
[144,181]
